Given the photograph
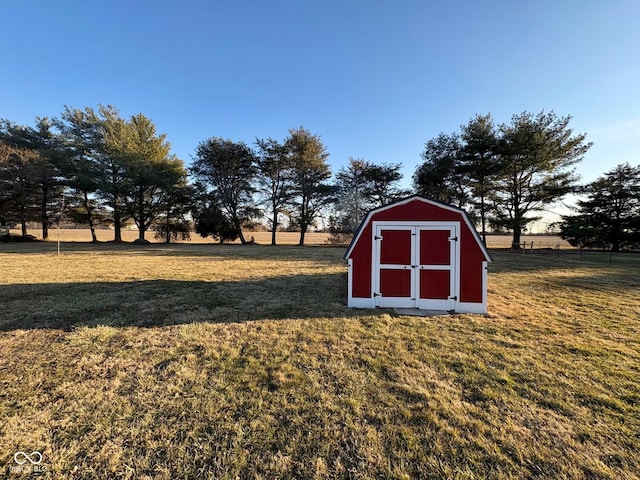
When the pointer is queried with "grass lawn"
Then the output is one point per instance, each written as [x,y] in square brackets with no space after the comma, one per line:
[231,362]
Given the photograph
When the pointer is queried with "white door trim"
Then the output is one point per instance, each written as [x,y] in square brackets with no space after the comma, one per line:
[413,301]
[454,271]
[399,302]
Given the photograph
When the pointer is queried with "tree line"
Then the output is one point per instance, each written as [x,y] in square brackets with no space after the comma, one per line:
[608,215]
[504,175]
[507,175]
[112,170]
[96,168]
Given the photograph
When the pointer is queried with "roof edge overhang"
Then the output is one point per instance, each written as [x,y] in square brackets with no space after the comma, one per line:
[404,201]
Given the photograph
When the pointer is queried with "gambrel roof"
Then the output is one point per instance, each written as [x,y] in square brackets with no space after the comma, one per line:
[420,198]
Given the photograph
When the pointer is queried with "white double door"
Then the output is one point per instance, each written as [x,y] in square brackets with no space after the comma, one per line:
[414,266]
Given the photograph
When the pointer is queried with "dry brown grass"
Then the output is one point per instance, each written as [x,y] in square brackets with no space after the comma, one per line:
[208,361]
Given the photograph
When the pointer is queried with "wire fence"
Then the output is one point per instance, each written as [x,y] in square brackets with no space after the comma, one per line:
[632,258]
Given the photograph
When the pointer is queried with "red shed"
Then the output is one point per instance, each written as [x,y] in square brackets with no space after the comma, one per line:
[418,253]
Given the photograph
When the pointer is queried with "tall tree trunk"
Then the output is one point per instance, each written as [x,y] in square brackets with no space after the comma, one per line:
[43,212]
[517,234]
[87,207]
[238,226]
[117,234]
[243,241]
[117,222]
[517,217]
[117,225]
[23,224]
[483,220]
[617,234]
[303,230]
[303,219]
[167,232]
[615,245]
[274,225]
[141,223]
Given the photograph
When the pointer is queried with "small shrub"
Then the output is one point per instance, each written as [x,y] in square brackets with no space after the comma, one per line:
[339,238]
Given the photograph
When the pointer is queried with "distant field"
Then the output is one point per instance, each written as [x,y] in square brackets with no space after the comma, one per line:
[84,235]
[539,241]
[283,238]
[196,361]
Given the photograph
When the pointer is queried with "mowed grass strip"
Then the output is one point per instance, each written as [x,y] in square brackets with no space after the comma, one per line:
[165,285]
[210,361]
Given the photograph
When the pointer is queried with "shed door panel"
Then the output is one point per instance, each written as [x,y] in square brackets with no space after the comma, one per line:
[395,247]
[395,283]
[435,284]
[414,266]
[434,247]
[437,267]
[395,278]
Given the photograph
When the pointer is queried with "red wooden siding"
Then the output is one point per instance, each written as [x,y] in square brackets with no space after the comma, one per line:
[471,259]
[416,211]
[361,274]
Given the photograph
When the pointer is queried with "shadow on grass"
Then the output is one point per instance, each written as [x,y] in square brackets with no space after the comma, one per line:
[624,280]
[156,303]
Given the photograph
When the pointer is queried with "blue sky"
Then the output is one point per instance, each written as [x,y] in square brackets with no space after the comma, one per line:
[374,79]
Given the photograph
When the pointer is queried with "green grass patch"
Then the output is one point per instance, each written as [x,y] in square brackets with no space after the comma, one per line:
[182,362]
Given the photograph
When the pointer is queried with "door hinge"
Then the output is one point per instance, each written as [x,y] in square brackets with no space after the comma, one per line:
[377,294]
[453,298]
[454,239]
[377,238]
